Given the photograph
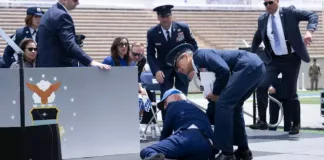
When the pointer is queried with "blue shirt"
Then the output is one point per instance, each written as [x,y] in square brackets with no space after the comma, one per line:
[122,62]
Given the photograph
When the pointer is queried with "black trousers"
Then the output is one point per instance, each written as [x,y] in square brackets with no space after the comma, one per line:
[288,66]
[291,109]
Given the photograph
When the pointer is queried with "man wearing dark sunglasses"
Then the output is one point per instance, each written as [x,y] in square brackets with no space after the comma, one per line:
[278,29]
[160,40]
[57,45]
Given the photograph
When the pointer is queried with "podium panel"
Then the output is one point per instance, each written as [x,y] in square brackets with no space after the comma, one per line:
[96,110]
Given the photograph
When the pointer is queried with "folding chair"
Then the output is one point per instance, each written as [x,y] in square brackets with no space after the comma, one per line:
[147,83]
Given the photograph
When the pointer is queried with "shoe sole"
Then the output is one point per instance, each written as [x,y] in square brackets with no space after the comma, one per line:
[159,156]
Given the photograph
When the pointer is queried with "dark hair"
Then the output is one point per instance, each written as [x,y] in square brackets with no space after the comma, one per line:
[25,42]
[29,20]
[114,51]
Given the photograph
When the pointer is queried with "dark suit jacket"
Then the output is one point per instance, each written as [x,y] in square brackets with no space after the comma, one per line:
[223,62]
[140,65]
[19,35]
[156,40]
[290,18]
[57,46]
[182,114]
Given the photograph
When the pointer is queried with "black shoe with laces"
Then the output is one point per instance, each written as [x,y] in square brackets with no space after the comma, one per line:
[221,156]
[243,155]
[260,125]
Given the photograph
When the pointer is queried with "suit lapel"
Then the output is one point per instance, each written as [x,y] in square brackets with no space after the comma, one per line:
[27,33]
[265,22]
[174,32]
[282,17]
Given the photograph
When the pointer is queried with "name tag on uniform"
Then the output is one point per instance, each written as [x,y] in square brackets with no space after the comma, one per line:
[157,44]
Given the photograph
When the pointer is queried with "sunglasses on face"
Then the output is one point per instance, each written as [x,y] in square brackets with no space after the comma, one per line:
[31,49]
[137,54]
[268,3]
[75,1]
[123,44]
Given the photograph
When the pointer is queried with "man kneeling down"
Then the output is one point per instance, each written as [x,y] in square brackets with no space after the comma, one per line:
[193,137]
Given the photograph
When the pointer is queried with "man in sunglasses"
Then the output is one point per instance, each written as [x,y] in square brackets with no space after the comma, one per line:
[57,45]
[237,75]
[285,48]
[160,40]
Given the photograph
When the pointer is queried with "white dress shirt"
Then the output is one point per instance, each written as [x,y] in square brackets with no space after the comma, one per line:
[282,39]
[31,32]
[165,32]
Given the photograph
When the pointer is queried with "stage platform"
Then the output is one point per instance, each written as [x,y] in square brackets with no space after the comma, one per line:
[266,145]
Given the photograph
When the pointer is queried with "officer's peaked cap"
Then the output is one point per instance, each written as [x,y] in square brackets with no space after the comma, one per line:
[174,54]
[164,10]
[35,11]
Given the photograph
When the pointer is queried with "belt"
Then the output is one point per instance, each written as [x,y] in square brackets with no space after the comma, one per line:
[203,133]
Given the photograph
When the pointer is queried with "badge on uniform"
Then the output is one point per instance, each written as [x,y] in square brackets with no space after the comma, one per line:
[180,37]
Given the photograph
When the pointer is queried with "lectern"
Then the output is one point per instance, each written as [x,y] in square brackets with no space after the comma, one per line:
[40,142]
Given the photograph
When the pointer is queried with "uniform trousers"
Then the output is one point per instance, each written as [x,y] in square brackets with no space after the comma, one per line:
[189,144]
[229,125]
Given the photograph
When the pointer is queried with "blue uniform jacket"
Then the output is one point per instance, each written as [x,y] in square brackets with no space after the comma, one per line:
[157,44]
[19,35]
[56,40]
[182,114]
[223,63]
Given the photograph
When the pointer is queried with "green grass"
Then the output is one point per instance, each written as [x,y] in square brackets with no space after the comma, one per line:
[302,100]
[309,131]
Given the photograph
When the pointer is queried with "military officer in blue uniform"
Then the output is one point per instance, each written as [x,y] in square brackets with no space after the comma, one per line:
[237,74]
[193,137]
[32,21]
[161,39]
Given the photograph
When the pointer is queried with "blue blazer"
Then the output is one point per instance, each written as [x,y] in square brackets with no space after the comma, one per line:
[19,35]
[182,114]
[223,63]
[290,18]
[56,40]
[157,44]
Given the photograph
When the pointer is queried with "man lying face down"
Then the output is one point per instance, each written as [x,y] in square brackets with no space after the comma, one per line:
[193,136]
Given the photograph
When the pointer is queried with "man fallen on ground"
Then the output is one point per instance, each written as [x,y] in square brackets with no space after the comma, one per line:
[193,136]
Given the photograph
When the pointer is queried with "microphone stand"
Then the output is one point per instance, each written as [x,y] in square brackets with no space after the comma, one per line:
[22,103]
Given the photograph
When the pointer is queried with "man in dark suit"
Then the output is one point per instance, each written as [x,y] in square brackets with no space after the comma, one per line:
[237,74]
[193,137]
[57,45]
[160,40]
[291,106]
[278,28]
[32,20]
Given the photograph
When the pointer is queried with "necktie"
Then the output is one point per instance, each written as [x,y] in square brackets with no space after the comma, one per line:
[275,35]
[35,33]
[168,35]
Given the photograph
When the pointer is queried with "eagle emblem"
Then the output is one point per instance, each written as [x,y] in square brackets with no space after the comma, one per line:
[45,91]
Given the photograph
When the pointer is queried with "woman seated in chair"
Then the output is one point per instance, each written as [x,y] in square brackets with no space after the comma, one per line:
[29,47]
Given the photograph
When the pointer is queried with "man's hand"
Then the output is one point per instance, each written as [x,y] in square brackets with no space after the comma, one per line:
[191,75]
[159,76]
[272,90]
[308,38]
[100,65]
[212,97]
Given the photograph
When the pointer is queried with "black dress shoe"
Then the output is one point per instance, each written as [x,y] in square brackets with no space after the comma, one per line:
[159,156]
[243,155]
[221,156]
[294,129]
[260,125]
